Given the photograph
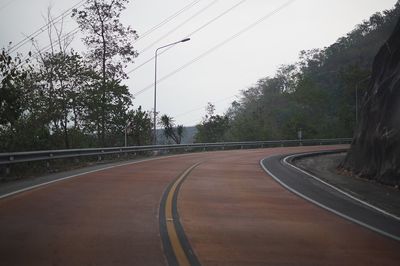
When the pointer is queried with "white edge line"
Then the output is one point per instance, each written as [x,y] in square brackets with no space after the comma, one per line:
[324,206]
[336,188]
[83,173]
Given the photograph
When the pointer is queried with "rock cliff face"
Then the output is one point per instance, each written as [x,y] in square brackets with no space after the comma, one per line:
[375,150]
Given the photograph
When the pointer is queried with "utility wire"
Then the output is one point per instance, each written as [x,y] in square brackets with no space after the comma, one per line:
[165,21]
[48,47]
[216,47]
[6,4]
[64,38]
[45,27]
[75,30]
[179,26]
[216,18]
[202,107]
[190,34]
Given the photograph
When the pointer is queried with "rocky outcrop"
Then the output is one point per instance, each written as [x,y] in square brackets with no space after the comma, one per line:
[375,150]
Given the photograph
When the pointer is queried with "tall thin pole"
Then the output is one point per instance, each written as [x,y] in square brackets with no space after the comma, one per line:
[155,101]
[128,123]
[155,88]
[126,139]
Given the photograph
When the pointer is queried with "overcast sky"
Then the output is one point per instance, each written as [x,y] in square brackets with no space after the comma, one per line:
[221,73]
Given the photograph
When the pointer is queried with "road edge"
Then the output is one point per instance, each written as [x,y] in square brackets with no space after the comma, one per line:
[293,156]
[322,205]
[105,167]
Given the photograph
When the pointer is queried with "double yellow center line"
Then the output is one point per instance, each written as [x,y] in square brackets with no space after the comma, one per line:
[176,245]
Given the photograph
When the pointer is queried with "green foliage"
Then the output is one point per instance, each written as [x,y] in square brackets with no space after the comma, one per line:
[316,95]
[213,128]
[171,132]
[110,49]
[140,126]
[60,99]
[105,111]
[65,100]
[11,89]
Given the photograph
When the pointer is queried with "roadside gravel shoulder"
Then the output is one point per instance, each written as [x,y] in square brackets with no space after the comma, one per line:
[325,168]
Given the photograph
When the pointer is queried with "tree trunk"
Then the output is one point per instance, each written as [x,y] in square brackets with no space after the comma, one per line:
[375,150]
[64,125]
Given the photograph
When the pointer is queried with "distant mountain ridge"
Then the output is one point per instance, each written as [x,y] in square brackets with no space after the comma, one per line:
[188,136]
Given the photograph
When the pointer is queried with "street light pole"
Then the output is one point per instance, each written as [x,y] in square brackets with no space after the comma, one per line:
[128,123]
[155,87]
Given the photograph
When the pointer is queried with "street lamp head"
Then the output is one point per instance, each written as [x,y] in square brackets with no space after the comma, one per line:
[185,40]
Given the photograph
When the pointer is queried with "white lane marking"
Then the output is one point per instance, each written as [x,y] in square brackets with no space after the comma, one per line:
[336,188]
[84,173]
[326,207]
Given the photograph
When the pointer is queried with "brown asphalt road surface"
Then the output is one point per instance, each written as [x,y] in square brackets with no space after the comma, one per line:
[232,213]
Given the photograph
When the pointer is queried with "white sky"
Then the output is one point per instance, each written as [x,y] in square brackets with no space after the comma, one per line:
[219,76]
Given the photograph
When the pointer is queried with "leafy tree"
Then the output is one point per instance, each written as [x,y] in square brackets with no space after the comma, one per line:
[213,128]
[316,94]
[66,78]
[172,132]
[110,49]
[12,77]
[116,106]
[140,126]
[58,83]
[12,98]
[310,106]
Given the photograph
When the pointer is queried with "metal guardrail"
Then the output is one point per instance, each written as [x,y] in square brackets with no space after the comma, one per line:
[21,157]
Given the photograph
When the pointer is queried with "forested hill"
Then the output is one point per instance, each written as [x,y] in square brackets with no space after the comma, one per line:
[317,94]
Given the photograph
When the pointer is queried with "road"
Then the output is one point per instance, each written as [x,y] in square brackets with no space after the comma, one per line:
[330,197]
[214,208]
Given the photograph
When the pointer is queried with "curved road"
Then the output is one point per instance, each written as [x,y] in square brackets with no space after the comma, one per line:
[214,208]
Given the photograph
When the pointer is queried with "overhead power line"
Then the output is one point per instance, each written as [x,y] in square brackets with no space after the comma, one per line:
[165,21]
[203,107]
[56,42]
[44,27]
[216,46]
[75,30]
[190,34]
[6,4]
[48,47]
[179,26]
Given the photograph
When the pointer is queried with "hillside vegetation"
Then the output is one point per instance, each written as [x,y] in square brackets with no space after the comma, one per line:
[316,95]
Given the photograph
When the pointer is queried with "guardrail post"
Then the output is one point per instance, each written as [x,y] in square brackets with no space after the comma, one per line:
[8,166]
[8,169]
[48,162]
